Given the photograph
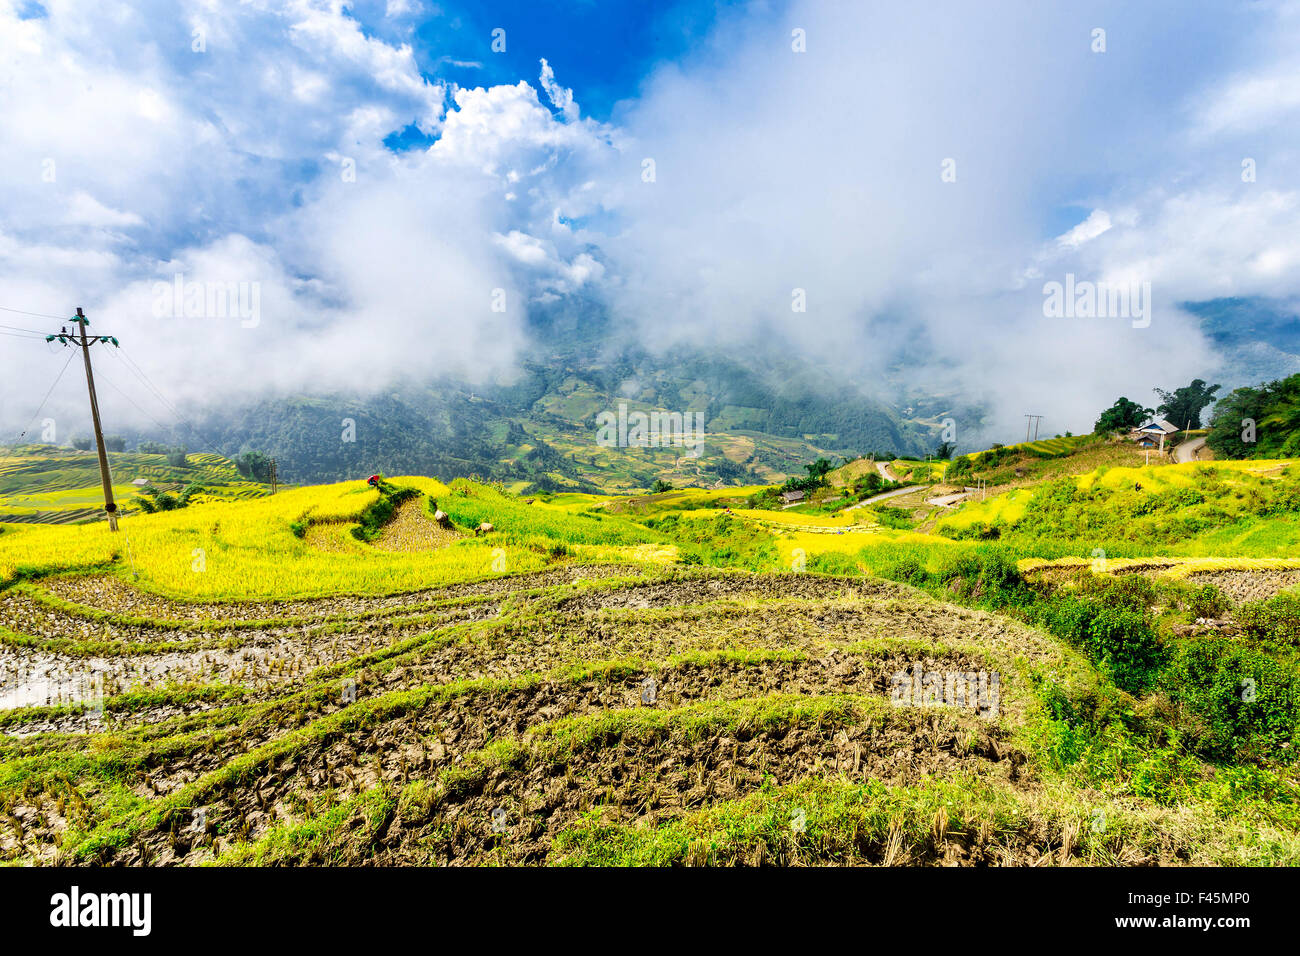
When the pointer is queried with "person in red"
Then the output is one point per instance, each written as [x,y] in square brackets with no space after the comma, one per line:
[373,481]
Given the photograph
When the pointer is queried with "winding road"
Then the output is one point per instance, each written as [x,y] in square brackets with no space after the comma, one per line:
[1187,450]
[910,489]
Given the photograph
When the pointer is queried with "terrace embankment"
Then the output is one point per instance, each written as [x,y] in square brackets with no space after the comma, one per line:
[542,696]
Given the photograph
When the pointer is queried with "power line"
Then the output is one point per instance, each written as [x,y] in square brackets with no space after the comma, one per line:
[113,386]
[203,440]
[39,315]
[134,368]
[47,396]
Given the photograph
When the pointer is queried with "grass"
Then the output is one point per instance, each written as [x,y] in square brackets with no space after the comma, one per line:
[1226,509]
[47,482]
[526,693]
[250,551]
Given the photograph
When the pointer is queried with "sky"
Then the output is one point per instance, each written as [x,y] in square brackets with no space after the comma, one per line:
[388,189]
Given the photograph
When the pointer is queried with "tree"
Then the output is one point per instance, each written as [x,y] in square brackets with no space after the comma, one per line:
[254,465]
[869,483]
[1123,416]
[152,448]
[82,443]
[818,469]
[1226,430]
[1182,406]
[944,450]
[177,457]
[660,486]
[114,443]
[1261,422]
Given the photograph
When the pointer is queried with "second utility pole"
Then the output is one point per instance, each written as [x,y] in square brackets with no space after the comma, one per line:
[110,506]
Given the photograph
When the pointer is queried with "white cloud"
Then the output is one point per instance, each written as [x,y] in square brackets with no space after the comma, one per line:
[86,210]
[1098,221]
[775,171]
[560,97]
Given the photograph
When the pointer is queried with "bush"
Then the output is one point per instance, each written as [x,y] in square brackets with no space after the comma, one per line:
[833,562]
[1120,639]
[958,468]
[898,518]
[1206,601]
[1276,620]
[378,514]
[869,484]
[1126,642]
[906,568]
[1244,703]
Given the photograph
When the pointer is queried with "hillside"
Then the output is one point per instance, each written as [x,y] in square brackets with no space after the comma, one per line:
[328,676]
[764,415]
[48,484]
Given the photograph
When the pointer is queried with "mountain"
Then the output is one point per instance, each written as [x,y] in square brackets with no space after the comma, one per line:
[765,415]
[1257,340]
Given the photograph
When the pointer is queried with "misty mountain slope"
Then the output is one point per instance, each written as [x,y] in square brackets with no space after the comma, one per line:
[1256,339]
[764,416]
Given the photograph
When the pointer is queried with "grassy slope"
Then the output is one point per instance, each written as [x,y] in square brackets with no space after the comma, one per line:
[1084,755]
[45,480]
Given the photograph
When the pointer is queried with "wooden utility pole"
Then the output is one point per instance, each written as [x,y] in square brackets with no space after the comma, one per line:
[85,341]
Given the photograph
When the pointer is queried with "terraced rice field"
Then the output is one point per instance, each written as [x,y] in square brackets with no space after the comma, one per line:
[558,691]
[575,715]
[48,485]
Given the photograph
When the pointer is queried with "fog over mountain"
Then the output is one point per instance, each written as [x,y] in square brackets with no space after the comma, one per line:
[882,195]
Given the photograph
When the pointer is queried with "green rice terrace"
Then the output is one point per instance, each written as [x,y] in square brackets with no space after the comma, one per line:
[45,484]
[1097,662]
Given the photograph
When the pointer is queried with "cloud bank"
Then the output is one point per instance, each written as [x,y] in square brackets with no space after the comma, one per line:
[856,181]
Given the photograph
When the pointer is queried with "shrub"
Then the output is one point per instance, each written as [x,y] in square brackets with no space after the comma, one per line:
[899,518]
[1127,643]
[1276,620]
[1206,601]
[1245,703]
[1120,639]
[379,513]
[833,562]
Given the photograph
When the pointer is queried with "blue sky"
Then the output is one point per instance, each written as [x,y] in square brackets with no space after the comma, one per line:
[686,167]
[603,50]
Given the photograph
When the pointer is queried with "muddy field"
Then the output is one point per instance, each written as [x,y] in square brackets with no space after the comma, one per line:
[492,720]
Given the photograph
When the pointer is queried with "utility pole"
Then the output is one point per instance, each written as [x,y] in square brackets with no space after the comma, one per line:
[1032,420]
[85,341]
